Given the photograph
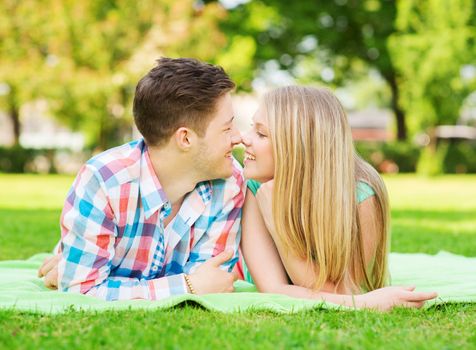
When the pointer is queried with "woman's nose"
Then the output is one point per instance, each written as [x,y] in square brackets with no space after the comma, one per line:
[245,139]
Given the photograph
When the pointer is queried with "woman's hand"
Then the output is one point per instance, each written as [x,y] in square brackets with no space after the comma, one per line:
[386,298]
[264,197]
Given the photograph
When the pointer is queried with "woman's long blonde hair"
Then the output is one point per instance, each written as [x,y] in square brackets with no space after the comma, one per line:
[315,179]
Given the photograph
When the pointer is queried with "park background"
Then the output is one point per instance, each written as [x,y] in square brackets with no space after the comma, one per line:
[404,70]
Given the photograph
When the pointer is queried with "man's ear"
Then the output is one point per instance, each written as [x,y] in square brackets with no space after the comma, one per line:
[185,138]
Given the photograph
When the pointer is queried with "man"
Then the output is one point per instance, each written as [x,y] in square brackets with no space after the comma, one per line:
[159,216]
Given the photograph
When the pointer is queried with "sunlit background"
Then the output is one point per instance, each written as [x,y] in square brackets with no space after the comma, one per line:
[404,70]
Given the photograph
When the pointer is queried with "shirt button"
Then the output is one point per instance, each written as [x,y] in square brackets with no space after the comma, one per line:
[155,268]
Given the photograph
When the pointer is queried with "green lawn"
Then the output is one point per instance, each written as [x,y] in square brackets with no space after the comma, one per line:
[428,215]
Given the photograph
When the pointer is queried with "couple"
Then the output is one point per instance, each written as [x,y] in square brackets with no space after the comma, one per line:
[165,215]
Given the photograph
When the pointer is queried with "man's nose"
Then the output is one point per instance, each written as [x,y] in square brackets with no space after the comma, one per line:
[236,137]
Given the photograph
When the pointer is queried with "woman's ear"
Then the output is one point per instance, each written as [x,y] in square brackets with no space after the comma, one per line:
[185,138]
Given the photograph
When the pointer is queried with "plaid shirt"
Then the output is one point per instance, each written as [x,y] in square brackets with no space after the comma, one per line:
[113,242]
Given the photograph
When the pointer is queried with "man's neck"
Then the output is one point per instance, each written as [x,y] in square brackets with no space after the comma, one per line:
[175,175]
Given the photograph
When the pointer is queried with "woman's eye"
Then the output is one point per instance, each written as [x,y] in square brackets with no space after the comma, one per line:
[260,135]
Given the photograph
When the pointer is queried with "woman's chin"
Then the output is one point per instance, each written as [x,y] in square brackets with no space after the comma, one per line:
[247,174]
[252,174]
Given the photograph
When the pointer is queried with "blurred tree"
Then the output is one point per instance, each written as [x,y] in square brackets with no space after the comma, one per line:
[434,49]
[24,37]
[86,56]
[109,45]
[90,89]
[329,40]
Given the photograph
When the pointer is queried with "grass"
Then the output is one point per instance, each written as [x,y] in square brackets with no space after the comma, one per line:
[428,215]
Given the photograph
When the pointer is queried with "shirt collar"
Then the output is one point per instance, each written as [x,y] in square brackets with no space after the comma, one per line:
[152,193]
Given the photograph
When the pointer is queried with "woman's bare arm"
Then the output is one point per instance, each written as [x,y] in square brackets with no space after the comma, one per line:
[303,273]
[259,250]
[266,268]
[368,217]
[262,257]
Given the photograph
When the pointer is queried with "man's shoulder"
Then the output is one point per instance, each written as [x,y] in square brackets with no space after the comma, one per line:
[117,165]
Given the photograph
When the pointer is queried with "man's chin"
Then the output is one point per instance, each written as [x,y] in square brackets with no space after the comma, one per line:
[227,174]
[227,171]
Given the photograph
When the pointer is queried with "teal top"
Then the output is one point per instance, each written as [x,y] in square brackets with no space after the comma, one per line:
[364,191]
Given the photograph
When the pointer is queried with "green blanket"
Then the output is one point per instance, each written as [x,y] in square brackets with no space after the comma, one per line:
[452,276]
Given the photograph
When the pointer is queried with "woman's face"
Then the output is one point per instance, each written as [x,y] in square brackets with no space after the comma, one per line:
[258,162]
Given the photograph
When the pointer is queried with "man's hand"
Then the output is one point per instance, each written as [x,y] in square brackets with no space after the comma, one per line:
[49,270]
[209,278]
[384,299]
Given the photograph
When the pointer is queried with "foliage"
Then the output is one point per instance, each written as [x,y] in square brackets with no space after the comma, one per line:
[333,41]
[460,158]
[86,57]
[390,157]
[431,160]
[25,34]
[111,44]
[424,50]
[434,48]
[452,157]
[17,159]
[434,42]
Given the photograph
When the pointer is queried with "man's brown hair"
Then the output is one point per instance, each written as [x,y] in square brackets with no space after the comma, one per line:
[178,92]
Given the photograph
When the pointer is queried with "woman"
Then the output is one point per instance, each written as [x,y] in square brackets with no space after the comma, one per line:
[316,218]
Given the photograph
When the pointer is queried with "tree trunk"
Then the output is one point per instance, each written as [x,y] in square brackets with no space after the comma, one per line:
[399,113]
[14,114]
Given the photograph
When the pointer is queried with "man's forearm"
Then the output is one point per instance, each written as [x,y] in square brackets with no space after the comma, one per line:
[123,288]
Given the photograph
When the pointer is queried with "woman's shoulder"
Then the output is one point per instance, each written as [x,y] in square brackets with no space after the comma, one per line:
[253,186]
[364,191]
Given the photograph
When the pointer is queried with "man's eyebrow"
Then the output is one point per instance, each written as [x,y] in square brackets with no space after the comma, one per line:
[229,121]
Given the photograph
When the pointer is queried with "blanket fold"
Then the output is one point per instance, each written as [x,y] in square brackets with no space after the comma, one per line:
[452,276]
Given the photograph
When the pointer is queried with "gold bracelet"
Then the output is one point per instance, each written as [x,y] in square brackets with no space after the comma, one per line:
[189,284]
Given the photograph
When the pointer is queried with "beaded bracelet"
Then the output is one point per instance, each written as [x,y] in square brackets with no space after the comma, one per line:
[189,284]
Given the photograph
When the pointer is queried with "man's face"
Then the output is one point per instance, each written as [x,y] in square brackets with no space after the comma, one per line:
[213,158]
